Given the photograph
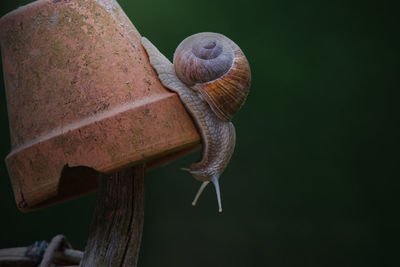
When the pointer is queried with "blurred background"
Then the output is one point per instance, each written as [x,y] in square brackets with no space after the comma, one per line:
[314,178]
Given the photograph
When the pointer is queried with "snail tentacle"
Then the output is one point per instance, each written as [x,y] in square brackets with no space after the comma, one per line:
[216,185]
[198,194]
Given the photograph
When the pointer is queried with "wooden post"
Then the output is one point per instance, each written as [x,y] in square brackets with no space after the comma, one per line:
[116,230]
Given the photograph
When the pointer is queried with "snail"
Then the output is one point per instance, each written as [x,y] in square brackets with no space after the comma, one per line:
[212,77]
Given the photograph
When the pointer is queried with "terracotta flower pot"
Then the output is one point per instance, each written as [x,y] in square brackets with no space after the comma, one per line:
[81,92]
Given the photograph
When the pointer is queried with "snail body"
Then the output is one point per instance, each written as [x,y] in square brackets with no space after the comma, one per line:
[211,75]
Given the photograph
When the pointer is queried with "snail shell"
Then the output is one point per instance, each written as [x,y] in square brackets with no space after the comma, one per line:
[215,66]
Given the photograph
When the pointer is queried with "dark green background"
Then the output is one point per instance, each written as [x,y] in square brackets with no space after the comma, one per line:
[314,179]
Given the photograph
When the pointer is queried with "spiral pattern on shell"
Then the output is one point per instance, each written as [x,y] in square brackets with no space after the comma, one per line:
[215,66]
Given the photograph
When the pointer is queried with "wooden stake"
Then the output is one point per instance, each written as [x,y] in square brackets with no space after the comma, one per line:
[116,229]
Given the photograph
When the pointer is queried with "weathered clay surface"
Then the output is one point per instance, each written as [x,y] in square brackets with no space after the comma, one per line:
[81,92]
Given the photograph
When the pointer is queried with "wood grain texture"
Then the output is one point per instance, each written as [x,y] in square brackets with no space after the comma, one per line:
[116,230]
